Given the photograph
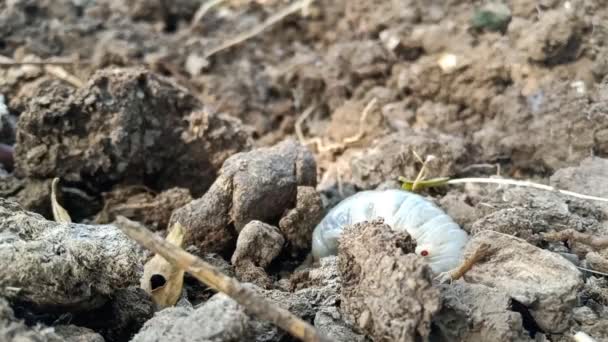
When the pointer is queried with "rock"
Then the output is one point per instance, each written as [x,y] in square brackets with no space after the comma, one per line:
[121,317]
[527,213]
[248,272]
[152,210]
[584,315]
[72,333]
[494,16]
[474,312]
[588,178]
[391,157]
[596,261]
[219,319]
[555,38]
[12,329]
[386,289]
[298,223]
[597,331]
[544,282]
[317,290]
[265,180]
[206,221]
[259,243]
[63,266]
[32,194]
[197,292]
[456,206]
[328,321]
[258,185]
[117,128]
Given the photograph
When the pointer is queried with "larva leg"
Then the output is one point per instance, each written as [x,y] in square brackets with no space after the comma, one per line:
[480,253]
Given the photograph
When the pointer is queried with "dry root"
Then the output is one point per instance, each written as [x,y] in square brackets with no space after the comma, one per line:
[334,147]
[596,242]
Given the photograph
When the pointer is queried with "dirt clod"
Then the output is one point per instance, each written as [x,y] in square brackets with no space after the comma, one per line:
[544,282]
[63,266]
[257,185]
[386,289]
[586,178]
[475,312]
[230,323]
[139,205]
[391,157]
[13,329]
[125,125]
[259,243]
[298,223]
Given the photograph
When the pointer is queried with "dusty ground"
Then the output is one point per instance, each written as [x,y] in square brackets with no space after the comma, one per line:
[132,105]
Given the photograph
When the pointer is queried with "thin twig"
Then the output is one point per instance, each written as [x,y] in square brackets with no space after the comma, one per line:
[592,271]
[211,276]
[51,67]
[202,10]
[483,251]
[62,74]
[8,62]
[282,14]
[525,184]
[597,242]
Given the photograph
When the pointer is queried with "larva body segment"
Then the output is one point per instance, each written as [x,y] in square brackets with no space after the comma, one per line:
[438,238]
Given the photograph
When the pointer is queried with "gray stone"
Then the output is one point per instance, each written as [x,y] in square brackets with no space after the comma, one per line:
[220,319]
[259,243]
[546,283]
[63,266]
[475,312]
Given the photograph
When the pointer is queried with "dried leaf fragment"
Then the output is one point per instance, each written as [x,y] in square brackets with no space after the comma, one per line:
[59,213]
[161,279]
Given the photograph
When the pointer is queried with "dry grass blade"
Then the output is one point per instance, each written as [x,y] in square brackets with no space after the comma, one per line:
[9,62]
[59,213]
[273,19]
[524,184]
[206,273]
[202,10]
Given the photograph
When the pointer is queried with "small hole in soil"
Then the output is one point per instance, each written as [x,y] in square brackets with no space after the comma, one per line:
[528,321]
[171,22]
[157,281]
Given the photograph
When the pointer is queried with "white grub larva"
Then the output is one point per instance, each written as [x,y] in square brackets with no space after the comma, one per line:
[438,238]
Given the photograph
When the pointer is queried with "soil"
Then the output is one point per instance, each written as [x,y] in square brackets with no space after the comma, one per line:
[133,106]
